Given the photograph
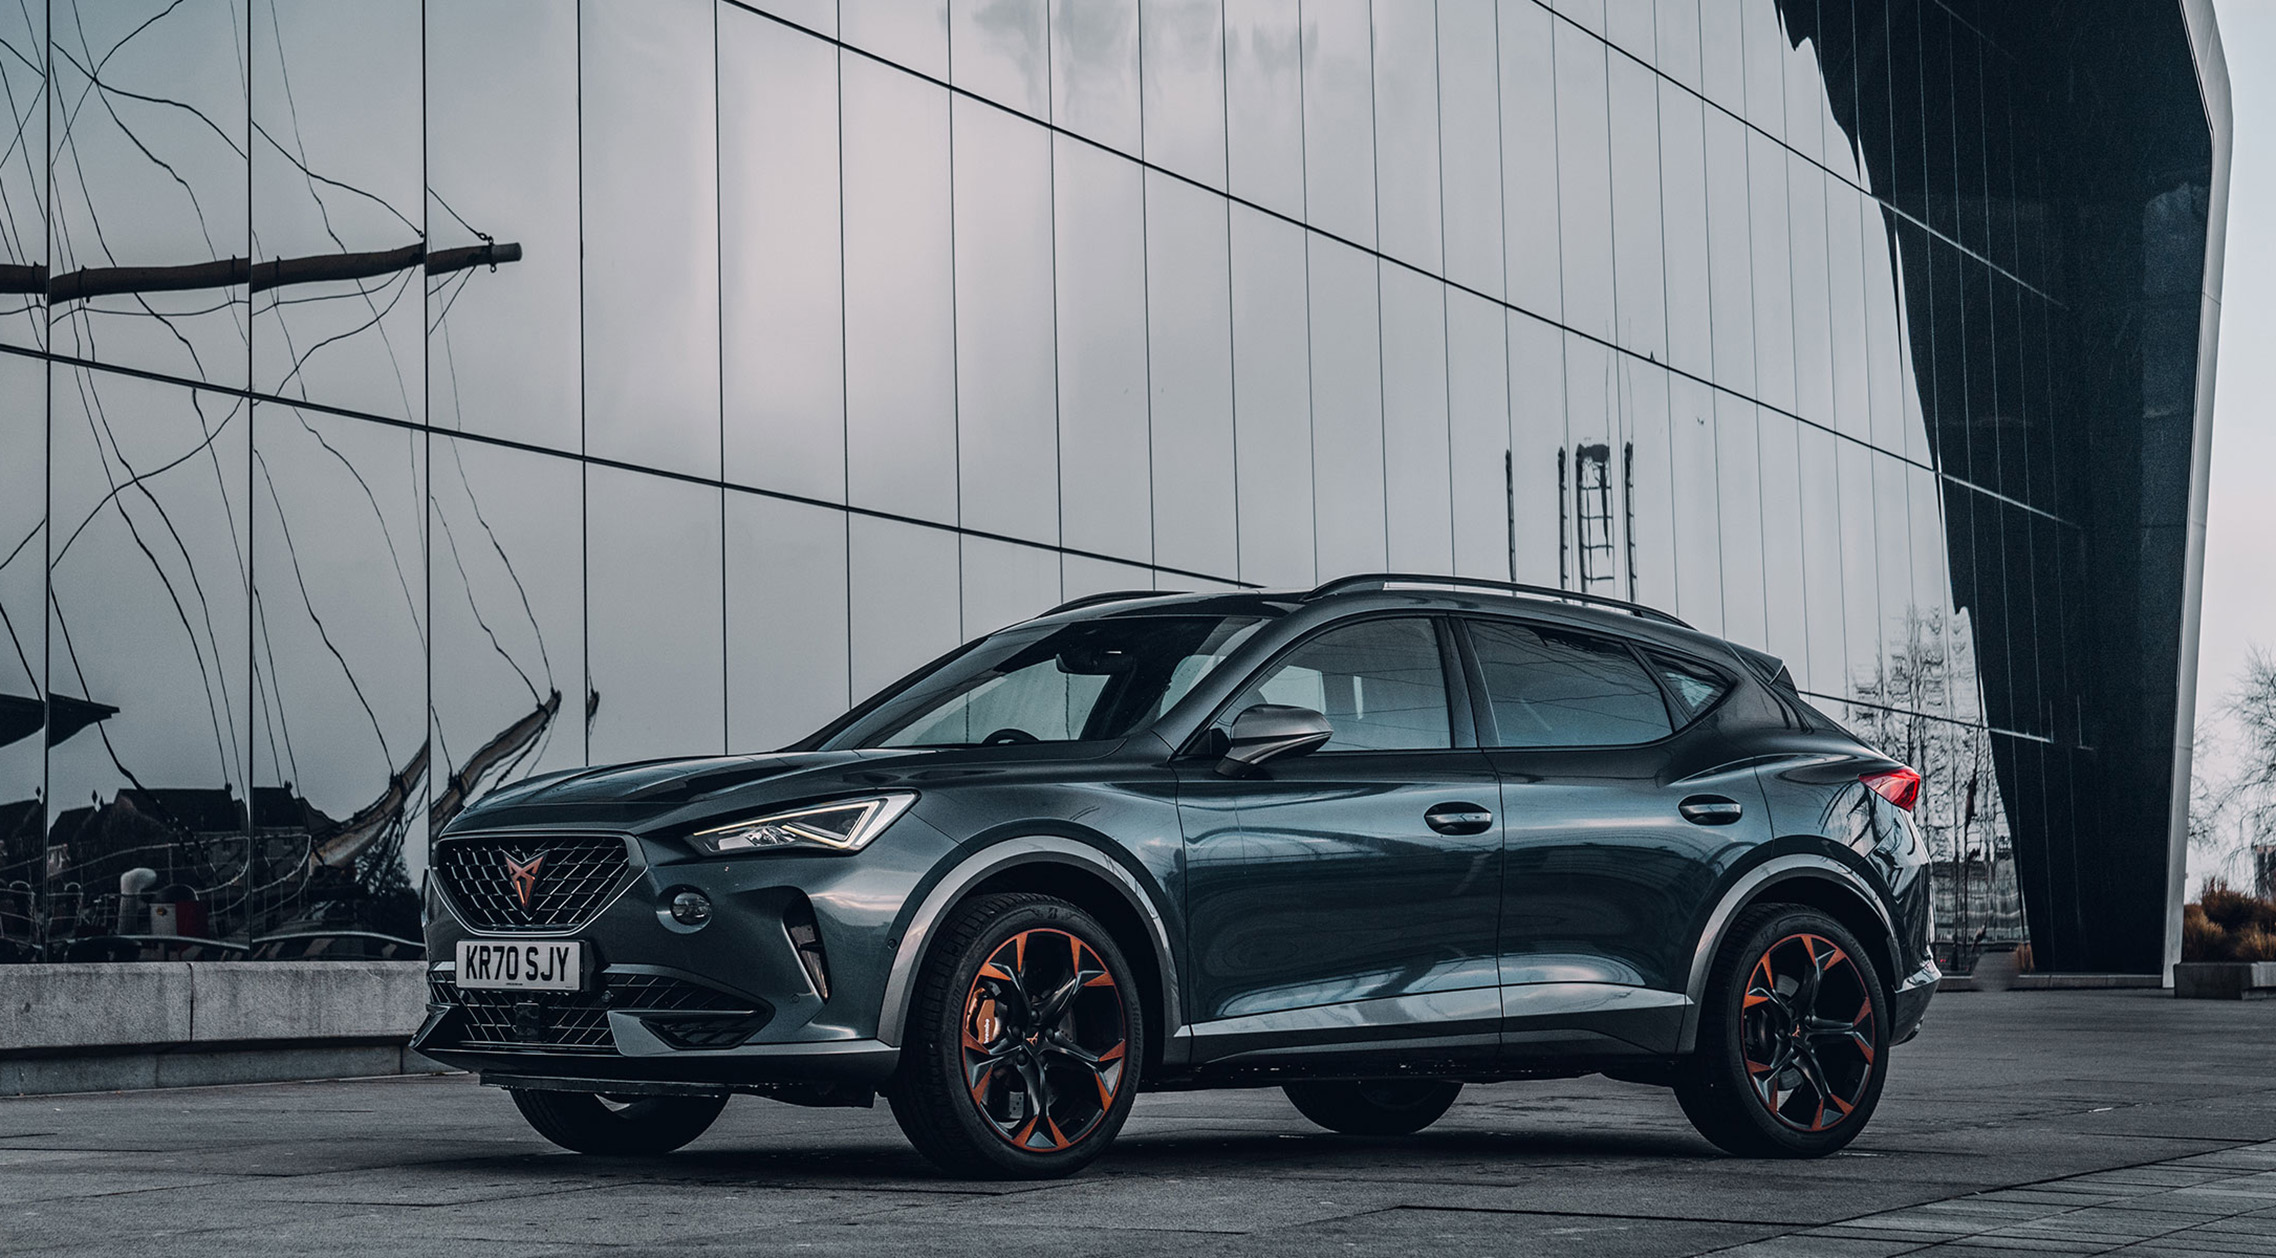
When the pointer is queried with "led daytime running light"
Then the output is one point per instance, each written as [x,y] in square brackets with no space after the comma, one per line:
[842,826]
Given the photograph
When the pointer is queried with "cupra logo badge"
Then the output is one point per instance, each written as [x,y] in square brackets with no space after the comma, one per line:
[524,874]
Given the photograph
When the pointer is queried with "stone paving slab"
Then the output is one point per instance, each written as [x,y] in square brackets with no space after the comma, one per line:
[2056,1122]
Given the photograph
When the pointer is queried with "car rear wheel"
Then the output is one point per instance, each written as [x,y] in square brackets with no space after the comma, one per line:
[1024,1039]
[1374,1107]
[1793,1038]
[629,1126]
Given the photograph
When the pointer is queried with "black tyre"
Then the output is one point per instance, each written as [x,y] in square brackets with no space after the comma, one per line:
[632,1126]
[1793,1038]
[1024,1040]
[1374,1107]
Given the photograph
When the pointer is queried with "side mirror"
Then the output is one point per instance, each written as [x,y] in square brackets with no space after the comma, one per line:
[1271,731]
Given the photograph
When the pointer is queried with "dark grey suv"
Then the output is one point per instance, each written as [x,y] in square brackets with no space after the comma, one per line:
[1367,843]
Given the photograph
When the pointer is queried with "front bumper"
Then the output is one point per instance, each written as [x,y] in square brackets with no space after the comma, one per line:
[730,1002]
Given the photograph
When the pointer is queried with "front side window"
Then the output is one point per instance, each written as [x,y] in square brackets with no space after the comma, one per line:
[1554,688]
[1379,682]
[1042,684]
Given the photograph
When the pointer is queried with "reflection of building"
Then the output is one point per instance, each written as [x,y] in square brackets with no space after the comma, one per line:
[760,352]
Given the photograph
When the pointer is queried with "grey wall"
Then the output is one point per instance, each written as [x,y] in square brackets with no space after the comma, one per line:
[839,333]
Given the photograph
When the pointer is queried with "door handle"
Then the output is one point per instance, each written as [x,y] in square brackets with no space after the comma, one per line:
[1459,818]
[1710,810]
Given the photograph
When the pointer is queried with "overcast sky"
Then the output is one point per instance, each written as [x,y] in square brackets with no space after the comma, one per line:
[2240,548]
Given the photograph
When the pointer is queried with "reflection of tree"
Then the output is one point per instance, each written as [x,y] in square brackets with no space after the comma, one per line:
[2232,785]
[1895,709]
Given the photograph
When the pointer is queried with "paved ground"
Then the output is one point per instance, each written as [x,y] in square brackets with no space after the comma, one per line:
[2086,1122]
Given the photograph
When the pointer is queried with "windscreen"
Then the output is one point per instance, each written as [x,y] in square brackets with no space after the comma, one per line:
[1052,684]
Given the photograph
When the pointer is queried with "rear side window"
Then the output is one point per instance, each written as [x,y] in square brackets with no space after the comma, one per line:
[1379,682]
[1695,687]
[1553,688]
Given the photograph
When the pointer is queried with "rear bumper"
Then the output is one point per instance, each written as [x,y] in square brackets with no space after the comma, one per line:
[1911,1004]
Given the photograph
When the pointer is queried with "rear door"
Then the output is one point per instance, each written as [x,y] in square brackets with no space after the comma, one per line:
[1350,898]
[1620,803]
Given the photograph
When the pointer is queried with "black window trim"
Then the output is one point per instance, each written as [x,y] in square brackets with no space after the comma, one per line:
[1489,733]
[1460,701]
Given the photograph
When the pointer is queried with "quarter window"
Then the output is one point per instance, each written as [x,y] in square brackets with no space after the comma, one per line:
[1695,688]
[1379,682]
[1553,688]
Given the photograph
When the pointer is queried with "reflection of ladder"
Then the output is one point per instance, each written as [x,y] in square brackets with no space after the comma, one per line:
[1597,545]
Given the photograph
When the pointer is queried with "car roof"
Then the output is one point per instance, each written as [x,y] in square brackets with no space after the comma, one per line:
[1420,592]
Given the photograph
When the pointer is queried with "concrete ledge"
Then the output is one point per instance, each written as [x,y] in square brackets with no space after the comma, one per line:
[197,1067]
[160,1003]
[2224,980]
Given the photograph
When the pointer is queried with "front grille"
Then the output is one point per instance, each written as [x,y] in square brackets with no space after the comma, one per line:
[573,1022]
[568,880]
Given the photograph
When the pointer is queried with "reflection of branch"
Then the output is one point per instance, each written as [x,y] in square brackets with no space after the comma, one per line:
[86,282]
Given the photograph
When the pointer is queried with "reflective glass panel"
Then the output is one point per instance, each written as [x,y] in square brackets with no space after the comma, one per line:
[912,33]
[1530,247]
[1537,465]
[1782,557]
[1339,119]
[1004,583]
[1738,472]
[1683,231]
[1105,459]
[1407,134]
[1347,410]
[1264,104]
[651,201]
[1477,404]
[999,49]
[503,341]
[1007,445]
[1692,450]
[1094,70]
[1846,293]
[150,170]
[337,154]
[341,757]
[1469,144]
[902,600]
[1820,669]
[1860,586]
[1182,64]
[781,310]
[1190,351]
[653,618]
[23,188]
[1773,272]
[147,648]
[1647,484]
[1417,471]
[786,620]
[1722,55]
[1730,257]
[1813,339]
[1762,35]
[1584,182]
[900,307]
[23,651]
[1676,40]
[1272,400]
[1640,288]
[506,587]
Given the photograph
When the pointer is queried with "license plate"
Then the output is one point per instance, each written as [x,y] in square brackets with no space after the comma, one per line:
[486,965]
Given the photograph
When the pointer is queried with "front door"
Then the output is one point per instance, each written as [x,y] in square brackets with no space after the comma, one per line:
[1350,897]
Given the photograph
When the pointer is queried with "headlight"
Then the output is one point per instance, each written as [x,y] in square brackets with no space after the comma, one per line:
[845,826]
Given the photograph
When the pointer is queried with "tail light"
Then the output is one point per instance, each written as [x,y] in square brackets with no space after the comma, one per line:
[1900,786]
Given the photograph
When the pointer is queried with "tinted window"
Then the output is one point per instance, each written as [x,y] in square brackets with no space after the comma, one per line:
[1551,688]
[1093,679]
[1695,687]
[1379,682]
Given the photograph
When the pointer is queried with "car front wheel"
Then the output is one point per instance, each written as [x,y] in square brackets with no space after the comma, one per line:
[1793,1038]
[1024,1041]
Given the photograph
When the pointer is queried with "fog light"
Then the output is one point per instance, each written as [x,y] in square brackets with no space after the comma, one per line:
[691,908]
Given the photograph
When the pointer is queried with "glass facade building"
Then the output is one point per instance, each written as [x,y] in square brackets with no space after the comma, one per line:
[397,399]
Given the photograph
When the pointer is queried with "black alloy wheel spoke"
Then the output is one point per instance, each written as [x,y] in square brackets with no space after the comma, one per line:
[1819,1066]
[1014,1041]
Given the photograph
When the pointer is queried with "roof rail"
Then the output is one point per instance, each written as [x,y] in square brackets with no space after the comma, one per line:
[1395,580]
[1104,596]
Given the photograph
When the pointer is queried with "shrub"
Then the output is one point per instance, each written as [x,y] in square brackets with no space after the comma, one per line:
[2227,925]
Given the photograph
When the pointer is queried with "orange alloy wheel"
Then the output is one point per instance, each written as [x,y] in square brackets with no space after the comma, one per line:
[1807,1026]
[1043,1040]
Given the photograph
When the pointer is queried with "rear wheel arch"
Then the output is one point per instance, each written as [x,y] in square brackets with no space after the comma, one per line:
[1066,869]
[1817,882]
